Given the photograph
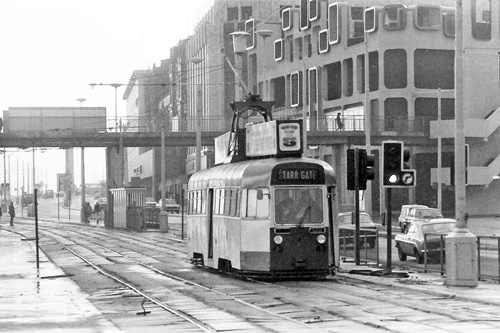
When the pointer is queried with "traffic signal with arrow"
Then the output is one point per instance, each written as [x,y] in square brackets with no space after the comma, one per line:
[397,172]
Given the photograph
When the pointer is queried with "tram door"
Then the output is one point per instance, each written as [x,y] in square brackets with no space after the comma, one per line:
[210,218]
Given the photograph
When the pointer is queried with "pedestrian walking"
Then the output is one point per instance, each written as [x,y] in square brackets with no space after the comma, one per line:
[0,211]
[12,213]
[87,211]
[97,212]
[340,125]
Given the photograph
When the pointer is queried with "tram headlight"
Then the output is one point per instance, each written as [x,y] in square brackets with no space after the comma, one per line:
[321,239]
[278,239]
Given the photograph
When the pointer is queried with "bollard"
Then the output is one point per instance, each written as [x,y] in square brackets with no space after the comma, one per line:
[163,221]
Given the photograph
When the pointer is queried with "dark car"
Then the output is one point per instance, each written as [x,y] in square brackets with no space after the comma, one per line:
[368,229]
[412,242]
[48,194]
[420,214]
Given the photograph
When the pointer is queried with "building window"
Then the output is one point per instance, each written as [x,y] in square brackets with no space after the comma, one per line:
[298,47]
[434,69]
[373,71]
[481,19]
[278,90]
[307,42]
[278,50]
[295,85]
[232,14]
[323,41]
[286,22]
[348,77]
[314,10]
[396,114]
[333,81]
[360,73]
[356,26]
[289,43]
[394,17]
[304,14]
[449,24]
[246,12]
[313,85]
[395,69]
[427,17]
[333,23]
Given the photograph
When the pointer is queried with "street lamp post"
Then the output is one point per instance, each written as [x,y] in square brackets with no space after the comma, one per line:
[198,112]
[116,86]
[82,162]
[461,244]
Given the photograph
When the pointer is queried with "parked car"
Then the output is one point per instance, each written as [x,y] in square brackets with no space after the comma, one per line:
[170,205]
[103,202]
[366,226]
[48,194]
[405,209]
[97,195]
[421,214]
[151,203]
[412,242]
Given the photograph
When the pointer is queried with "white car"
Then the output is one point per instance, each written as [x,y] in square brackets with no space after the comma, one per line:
[170,205]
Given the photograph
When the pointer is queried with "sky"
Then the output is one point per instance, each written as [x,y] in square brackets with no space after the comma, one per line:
[51,50]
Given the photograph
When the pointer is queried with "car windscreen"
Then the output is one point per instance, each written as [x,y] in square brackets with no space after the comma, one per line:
[429,213]
[445,227]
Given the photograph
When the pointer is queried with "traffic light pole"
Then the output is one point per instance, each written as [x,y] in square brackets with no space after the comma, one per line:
[388,207]
[356,207]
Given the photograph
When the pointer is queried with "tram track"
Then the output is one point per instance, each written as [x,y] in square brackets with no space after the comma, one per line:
[261,317]
[318,305]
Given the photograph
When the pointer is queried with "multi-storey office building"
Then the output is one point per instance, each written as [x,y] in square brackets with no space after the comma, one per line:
[213,74]
[313,67]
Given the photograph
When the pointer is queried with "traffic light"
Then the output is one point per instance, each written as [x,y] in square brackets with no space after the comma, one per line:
[397,172]
[366,172]
[351,185]
[364,166]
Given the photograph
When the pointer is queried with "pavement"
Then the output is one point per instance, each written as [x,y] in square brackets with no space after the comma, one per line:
[34,299]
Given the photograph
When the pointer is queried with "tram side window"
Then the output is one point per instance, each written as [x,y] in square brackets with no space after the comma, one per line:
[233,211]
[257,208]
[218,202]
[227,202]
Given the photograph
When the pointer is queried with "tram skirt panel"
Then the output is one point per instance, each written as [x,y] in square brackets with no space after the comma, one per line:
[299,251]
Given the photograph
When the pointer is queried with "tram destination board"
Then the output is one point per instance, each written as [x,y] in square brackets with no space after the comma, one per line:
[298,173]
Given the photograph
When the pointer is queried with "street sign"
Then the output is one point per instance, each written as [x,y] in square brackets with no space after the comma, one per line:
[64,182]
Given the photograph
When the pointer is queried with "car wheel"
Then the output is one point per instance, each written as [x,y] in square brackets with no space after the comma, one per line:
[401,255]
[418,256]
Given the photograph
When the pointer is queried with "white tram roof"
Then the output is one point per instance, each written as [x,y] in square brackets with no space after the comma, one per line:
[250,173]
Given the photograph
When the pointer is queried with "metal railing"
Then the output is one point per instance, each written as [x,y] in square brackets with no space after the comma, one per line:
[488,256]
[417,126]
[369,244]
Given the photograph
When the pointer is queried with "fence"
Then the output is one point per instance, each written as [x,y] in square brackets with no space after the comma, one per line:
[488,255]
[152,217]
[368,247]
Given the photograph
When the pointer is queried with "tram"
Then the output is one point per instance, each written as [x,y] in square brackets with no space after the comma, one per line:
[270,217]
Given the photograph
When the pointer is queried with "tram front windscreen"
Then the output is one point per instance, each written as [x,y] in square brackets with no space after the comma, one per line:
[298,205]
